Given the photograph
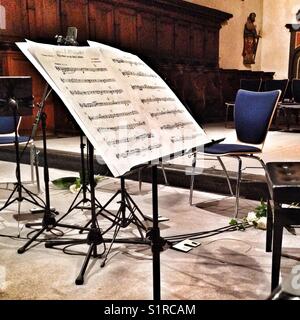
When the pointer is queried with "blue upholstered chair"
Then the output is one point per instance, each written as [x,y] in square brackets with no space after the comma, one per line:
[245,84]
[7,138]
[253,115]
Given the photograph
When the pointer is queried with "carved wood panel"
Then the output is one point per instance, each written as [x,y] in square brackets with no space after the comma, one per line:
[211,47]
[165,37]
[182,39]
[101,22]
[16,20]
[126,28]
[197,46]
[44,19]
[147,33]
[74,13]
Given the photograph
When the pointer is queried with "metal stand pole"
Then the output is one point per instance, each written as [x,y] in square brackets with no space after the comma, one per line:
[156,245]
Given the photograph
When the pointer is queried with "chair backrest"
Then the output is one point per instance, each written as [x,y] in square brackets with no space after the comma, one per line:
[7,124]
[251,84]
[253,114]
[296,90]
[271,85]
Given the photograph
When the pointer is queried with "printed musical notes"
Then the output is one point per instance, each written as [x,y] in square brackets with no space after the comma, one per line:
[149,100]
[68,70]
[123,107]
[128,153]
[101,104]
[113,115]
[163,113]
[138,74]
[130,126]
[147,87]
[131,63]
[176,125]
[86,81]
[93,92]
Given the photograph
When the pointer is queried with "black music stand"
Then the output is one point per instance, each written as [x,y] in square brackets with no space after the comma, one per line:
[125,215]
[16,100]
[84,189]
[49,222]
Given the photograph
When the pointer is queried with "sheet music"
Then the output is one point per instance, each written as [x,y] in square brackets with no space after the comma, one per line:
[123,107]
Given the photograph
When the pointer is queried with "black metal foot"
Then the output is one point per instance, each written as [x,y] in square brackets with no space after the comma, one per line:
[21,250]
[79,281]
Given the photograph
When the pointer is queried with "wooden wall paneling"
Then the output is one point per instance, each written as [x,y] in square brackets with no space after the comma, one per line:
[182,39]
[165,37]
[211,47]
[16,20]
[147,33]
[74,13]
[44,19]
[101,22]
[126,28]
[198,38]
[15,64]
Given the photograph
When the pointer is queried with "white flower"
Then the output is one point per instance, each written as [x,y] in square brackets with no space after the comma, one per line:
[251,217]
[262,223]
[73,188]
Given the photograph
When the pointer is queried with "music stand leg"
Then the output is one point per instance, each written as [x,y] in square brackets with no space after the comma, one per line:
[156,245]
[129,205]
[94,237]
[18,185]
[84,188]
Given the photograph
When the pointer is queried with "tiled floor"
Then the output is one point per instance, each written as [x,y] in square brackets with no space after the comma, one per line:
[230,265]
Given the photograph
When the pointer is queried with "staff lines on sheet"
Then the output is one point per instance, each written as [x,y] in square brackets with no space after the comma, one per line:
[68,70]
[131,63]
[178,139]
[137,151]
[150,100]
[138,74]
[130,126]
[101,92]
[61,55]
[75,80]
[176,125]
[114,115]
[147,87]
[102,104]
[167,112]
[130,139]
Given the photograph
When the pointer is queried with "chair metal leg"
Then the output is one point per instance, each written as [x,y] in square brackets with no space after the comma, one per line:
[140,179]
[164,173]
[226,116]
[237,191]
[140,176]
[193,178]
[269,233]
[227,176]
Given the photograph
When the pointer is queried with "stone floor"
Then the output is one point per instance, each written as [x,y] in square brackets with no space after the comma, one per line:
[225,266]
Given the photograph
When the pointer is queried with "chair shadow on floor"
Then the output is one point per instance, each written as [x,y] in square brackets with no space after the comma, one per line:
[225,206]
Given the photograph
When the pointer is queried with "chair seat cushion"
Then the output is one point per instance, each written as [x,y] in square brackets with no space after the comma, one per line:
[11,140]
[226,148]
